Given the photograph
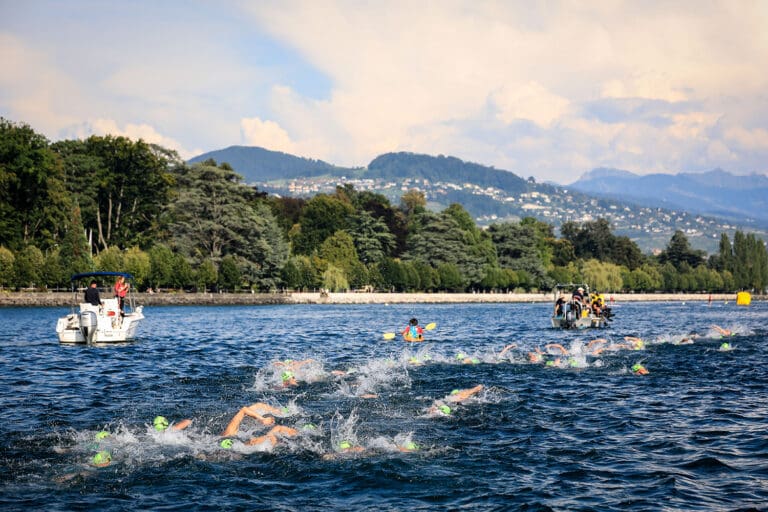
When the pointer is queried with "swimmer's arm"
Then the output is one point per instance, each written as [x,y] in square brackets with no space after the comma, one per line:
[598,340]
[557,346]
[182,424]
[465,393]
[234,424]
[720,329]
[258,417]
[266,437]
[284,431]
[261,408]
[507,348]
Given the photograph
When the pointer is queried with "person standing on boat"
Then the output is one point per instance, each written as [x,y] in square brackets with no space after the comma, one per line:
[560,305]
[92,294]
[121,288]
[578,302]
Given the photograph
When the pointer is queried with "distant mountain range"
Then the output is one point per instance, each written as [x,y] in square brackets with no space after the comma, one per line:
[256,164]
[715,193]
[648,209]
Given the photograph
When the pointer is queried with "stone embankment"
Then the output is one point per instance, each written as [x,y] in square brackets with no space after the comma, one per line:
[42,299]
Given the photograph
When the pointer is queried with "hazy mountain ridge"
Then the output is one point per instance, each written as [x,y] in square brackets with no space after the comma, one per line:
[256,164]
[491,195]
[715,192]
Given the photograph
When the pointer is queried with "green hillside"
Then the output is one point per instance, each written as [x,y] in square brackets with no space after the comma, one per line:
[256,164]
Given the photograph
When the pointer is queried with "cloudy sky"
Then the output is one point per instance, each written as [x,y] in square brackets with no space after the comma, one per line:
[545,89]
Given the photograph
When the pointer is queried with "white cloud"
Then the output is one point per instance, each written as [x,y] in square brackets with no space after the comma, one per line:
[266,134]
[754,139]
[402,70]
[530,101]
[453,77]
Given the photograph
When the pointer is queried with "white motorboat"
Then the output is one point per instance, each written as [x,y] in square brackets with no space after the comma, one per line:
[105,323]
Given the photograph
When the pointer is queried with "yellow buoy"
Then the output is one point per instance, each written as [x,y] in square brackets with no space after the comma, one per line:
[743,299]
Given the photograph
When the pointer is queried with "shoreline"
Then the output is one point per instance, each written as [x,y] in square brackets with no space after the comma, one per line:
[54,299]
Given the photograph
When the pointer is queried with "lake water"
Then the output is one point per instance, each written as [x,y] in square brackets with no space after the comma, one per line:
[586,435]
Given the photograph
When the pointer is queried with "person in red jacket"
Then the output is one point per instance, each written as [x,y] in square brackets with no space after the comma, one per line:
[121,289]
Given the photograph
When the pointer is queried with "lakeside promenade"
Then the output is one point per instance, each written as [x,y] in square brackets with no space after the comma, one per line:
[49,299]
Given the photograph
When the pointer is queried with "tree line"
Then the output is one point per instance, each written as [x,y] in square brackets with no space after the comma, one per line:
[110,203]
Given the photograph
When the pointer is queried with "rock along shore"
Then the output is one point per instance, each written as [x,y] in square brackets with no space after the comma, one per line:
[49,299]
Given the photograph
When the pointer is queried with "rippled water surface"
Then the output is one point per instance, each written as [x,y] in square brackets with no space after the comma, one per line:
[586,434]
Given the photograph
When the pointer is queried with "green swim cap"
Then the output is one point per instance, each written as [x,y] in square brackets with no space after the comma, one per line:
[461,355]
[345,445]
[637,367]
[102,458]
[572,362]
[550,363]
[160,423]
[226,444]
[410,445]
[725,345]
[455,392]
[101,435]
[287,375]
[285,410]
[445,409]
[309,426]
[475,360]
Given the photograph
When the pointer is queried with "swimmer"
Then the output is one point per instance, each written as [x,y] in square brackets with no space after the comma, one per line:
[439,409]
[723,332]
[271,437]
[505,350]
[639,369]
[102,459]
[459,395]
[687,340]
[556,361]
[161,423]
[344,447]
[465,359]
[409,447]
[288,379]
[557,346]
[256,411]
[635,343]
[537,356]
[598,346]
[725,346]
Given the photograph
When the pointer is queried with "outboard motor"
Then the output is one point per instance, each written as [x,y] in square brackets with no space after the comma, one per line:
[88,323]
[569,315]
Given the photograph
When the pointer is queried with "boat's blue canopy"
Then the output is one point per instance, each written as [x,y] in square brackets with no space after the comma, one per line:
[85,275]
